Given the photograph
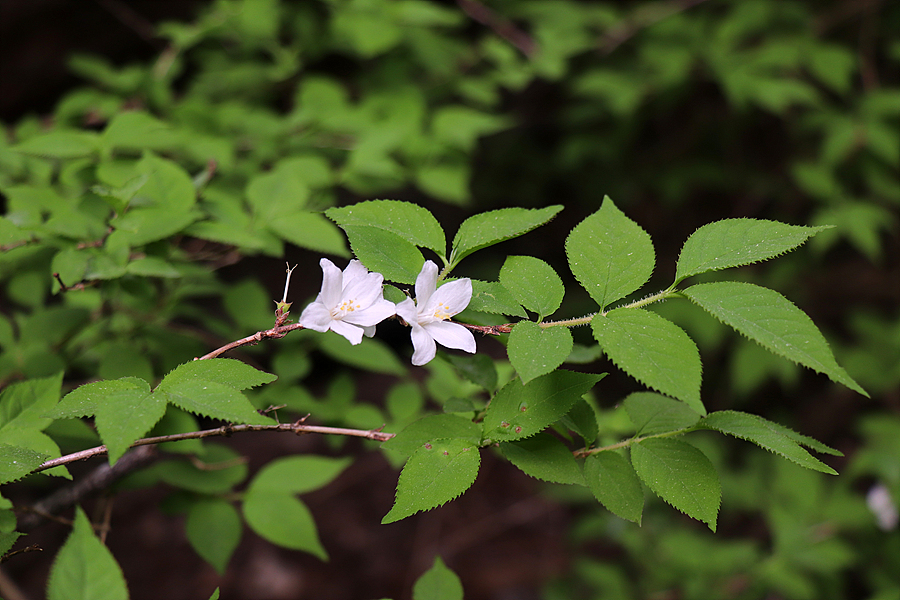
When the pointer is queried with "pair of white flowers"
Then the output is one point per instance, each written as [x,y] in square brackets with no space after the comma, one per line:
[351,303]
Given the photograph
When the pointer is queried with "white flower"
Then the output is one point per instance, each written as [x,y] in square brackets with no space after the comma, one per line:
[429,313]
[350,303]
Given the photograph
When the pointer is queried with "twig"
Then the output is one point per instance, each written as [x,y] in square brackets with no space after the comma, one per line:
[298,427]
[101,478]
[489,329]
[251,340]
[502,27]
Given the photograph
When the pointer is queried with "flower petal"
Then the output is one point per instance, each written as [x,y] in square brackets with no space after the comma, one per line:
[317,317]
[426,283]
[406,310]
[364,290]
[451,335]
[353,270]
[353,333]
[424,346]
[372,315]
[454,296]
[330,295]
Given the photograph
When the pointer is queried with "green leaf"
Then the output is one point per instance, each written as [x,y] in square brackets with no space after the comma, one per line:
[543,456]
[297,474]
[612,480]
[7,540]
[212,399]
[168,185]
[489,228]
[233,373]
[438,583]
[435,474]
[143,225]
[534,350]
[138,130]
[17,462]
[276,194]
[519,411]
[681,475]
[371,355]
[534,283]
[384,252]
[60,144]
[492,297]
[311,231]
[582,419]
[215,595]
[84,568]
[653,413]
[653,350]
[84,400]
[151,266]
[217,469]
[126,415]
[764,434]
[734,242]
[430,428]
[24,404]
[773,322]
[609,254]
[413,223]
[213,528]
[270,506]
[477,368]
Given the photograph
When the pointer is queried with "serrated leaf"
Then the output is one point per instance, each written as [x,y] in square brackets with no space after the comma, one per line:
[435,474]
[212,399]
[681,475]
[384,252]
[438,583]
[653,350]
[126,415]
[734,242]
[168,185]
[534,350]
[544,457]
[615,485]
[84,400]
[276,193]
[17,462]
[7,540]
[213,527]
[24,404]
[492,227]
[773,322]
[84,568]
[764,434]
[431,428]
[609,254]
[519,411]
[582,419]
[654,413]
[411,222]
[35,440]
[492,297]
[533,283]
[233,373]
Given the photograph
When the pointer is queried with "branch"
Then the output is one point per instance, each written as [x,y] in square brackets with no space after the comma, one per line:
[640,19]
[279,331]
[298,428]
[502,27]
